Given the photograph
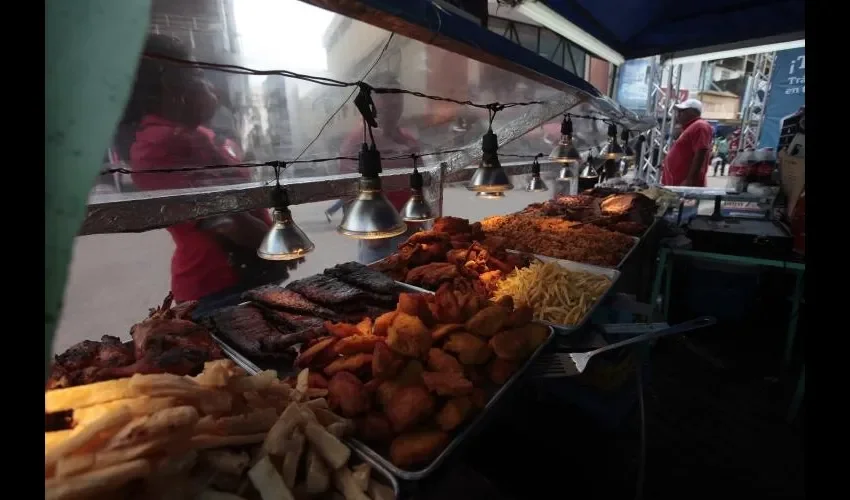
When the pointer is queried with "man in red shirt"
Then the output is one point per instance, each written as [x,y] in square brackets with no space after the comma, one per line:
[687,161]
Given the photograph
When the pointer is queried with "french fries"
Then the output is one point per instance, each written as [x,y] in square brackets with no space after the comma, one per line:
[163,429]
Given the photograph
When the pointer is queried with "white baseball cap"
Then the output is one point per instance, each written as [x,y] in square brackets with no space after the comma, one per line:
[689,104]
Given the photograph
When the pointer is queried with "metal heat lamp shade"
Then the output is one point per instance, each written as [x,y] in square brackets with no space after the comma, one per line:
[490,177]
[285,240]
[416,209]
[536,184]
[565,151]
[371,216]
[612,150]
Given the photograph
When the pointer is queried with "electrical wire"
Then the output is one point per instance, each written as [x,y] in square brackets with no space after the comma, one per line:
[333,115]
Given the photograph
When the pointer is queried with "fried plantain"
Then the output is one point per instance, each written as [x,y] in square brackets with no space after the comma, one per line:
[470,349]
[408,336]
[341,330]
[356,344]
[323,346]
[351,363]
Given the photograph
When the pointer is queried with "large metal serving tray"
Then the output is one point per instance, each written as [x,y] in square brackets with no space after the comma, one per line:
[459,438]
[611,274]
[253,369]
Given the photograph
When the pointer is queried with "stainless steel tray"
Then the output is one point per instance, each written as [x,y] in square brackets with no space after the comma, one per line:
[464,434]
[253,369]
[612,274]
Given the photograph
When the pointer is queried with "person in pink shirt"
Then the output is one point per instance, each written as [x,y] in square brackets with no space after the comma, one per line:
[687,162]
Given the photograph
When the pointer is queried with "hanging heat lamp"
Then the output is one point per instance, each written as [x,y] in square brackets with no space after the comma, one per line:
[612,149]
[536,184]
[490,181]
[371,216]
[285,240]
[628,151]
[565,151]
[416,209]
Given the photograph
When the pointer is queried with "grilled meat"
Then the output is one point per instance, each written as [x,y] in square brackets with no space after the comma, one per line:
[162,343]
[326,290]
[289,322]
[361,276]
[280,298]
[249,331]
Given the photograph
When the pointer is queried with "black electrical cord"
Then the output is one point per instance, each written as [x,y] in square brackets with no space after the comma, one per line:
[333,115]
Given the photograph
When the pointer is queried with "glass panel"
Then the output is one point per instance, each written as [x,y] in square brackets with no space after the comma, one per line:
[261,118]
[578,57]
[551,47]
[527,36]
[499,26]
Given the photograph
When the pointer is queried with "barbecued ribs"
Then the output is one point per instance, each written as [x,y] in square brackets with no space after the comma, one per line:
[161,344]
[247,328]
[361,276]
[342,297]
[276,297]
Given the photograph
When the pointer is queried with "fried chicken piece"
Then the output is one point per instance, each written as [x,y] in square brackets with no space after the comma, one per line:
[316,381]
[500,370]
[454,413]
[470,349]
[346,392]
[537,335]
[511,344]
[356,344]
[431,275]
[408,406]
[441,361]
[446,310]
[417,447]
[341,330]
[479,398]
[382,323]
[385,363]
[322,350]
[441,331]
[373,427]
[451,225]
[491,279]
[411,374]
[365,326]
[488,321]
[408,336]
[507,302]
[447,383]
[457,256]
[349,363]
[385,392]
[520,316]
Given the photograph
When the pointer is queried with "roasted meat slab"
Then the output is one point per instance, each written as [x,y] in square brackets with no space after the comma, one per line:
[162,343]
[280,298]
[250,332]
[342,297]
[363,277]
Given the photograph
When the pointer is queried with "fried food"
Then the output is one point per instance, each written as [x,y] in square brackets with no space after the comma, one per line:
[537,335]
[351,363]
[365,326]
[411,373]
[385,362]
[511,345]
[520,316]
[346,392]
[385,392]
[500,370]
[454,413]
[382,323]
[408,336]
[440,331]
[373,427]
[341,330]
[417,447]
[470,350]
[319,354]
[555,237]
[408,406]
[268,482]
[479,398]
[408,303]
[556,294]
[441,361]
[430,276]
[329,447]
[447,383]
[445,307]
[488,321]
[357,344]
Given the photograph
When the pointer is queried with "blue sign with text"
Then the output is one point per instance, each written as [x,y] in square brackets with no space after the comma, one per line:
[787,93]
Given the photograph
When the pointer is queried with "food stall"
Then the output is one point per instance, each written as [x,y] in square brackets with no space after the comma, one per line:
[349,380]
